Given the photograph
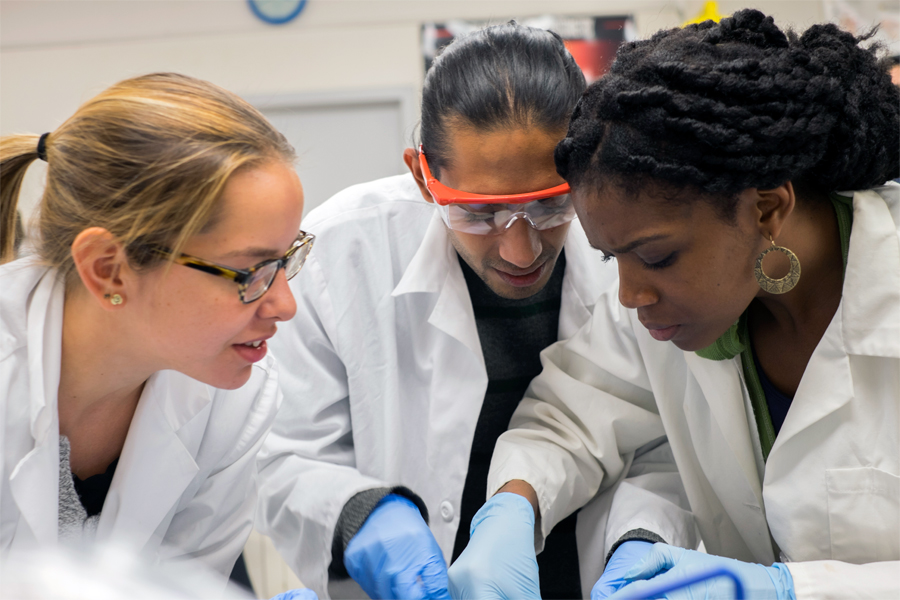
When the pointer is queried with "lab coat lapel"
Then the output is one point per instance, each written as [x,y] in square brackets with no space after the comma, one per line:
[871,294]
[577,296]
[725,448]
[867,321]
[34,482]
[156,466]
[435,269]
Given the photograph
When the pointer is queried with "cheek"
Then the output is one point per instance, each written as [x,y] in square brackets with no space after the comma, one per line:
[555,237]
[196,315]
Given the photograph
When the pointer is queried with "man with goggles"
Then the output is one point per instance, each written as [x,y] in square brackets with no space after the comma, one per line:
[420,321]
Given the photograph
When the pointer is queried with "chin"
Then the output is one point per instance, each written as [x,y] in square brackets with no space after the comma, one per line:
[226,381]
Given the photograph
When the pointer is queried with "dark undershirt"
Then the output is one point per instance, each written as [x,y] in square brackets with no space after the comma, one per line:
[512,334]
[777,401]
[92,491]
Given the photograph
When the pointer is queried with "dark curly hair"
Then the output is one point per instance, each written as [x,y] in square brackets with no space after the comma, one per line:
[507,75]
[721,107]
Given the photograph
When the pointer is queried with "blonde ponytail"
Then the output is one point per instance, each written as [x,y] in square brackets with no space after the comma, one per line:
[17,152]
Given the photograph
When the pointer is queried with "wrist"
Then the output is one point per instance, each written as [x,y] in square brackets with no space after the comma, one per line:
[524,489]
[784,582]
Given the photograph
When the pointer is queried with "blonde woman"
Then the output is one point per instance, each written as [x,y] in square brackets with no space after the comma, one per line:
[135,389]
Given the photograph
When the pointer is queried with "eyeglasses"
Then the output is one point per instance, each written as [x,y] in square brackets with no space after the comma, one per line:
[484,214]
[255,281]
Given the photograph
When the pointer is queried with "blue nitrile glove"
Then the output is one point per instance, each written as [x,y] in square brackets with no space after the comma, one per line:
[666,563]
[499,561]
[395,555]
[298,594]
[625,556]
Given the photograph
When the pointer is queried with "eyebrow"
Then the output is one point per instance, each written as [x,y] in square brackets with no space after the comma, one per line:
[254,252]
[638,242]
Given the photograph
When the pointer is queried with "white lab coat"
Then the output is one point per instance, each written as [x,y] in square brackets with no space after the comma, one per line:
[384,377]
[185,483]
[829,492]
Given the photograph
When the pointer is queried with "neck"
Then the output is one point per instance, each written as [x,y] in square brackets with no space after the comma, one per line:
[101,375]
[812,234]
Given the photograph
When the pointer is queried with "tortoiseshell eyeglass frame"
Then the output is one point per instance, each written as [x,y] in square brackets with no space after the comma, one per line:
[243,277]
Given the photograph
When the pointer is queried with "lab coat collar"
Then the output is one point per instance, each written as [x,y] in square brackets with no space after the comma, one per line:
[38,471]
[867,321]
[580,287]
[435,269]
[723,392]
[427,271]
[871,294]
[156,466]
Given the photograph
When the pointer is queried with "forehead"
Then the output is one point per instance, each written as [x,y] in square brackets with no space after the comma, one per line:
[501,161]
[612,217]
[260,207]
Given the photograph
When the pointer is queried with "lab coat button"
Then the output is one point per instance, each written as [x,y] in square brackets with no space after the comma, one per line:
[446,511]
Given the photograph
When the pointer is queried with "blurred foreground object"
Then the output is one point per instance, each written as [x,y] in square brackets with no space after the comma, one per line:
[106,572]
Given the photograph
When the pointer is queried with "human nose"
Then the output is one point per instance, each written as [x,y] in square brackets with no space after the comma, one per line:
[634,290]
[520,244]
[278,303]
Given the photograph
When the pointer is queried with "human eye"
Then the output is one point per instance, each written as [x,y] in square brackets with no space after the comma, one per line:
[477,213]
[661,264]
[555,202]
[607,257]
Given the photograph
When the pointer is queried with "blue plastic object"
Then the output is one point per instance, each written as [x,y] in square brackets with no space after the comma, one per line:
[298,594]
[653,592]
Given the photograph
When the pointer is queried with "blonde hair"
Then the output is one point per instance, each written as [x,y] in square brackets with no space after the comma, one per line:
[146,160]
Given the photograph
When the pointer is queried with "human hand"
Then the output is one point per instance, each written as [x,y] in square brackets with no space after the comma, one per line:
[298,594]
[499,561]
[665,564]
[625,556]
[395,555]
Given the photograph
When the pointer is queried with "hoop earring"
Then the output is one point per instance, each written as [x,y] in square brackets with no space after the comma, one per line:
[777,286]
[115,299]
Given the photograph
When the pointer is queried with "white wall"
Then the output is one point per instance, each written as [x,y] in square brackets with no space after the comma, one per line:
[55,54]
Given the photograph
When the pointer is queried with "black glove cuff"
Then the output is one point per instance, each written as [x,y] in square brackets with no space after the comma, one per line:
[641,535]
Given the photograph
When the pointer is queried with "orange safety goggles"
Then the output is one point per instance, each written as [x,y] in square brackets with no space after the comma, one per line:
[483,214]
[444,195]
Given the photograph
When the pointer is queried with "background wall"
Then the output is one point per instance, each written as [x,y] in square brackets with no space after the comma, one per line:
[55,54]
[341,81]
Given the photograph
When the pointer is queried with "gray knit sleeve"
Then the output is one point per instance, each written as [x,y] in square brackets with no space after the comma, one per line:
[641,535]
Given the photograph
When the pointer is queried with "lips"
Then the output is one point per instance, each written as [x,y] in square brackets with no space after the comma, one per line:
[525,279]
[252,351]
[662,334]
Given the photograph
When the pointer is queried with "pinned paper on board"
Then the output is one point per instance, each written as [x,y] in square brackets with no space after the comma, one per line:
[710,12]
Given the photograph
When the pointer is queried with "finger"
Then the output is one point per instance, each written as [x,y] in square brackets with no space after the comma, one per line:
[660,558]
[604,589]
[408,585]
[434,579]
[637,590]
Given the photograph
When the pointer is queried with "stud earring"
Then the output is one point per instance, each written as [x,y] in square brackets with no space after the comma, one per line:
[115,299]
[777,286]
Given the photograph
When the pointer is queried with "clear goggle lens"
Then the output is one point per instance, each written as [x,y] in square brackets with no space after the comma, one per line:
[491,219]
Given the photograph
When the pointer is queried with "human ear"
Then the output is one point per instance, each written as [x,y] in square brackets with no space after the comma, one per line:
[100,260]
[773,207]
[411,158]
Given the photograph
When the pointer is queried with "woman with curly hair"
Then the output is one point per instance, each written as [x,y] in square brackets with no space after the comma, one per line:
[736,173]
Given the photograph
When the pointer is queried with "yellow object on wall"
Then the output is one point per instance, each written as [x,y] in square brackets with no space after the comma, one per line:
[710,11]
